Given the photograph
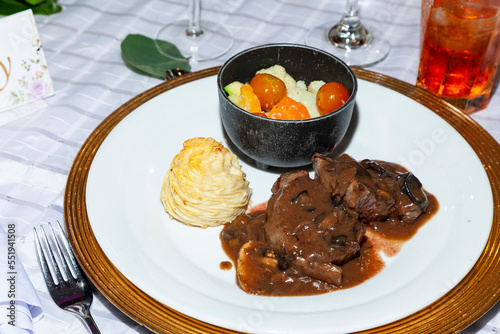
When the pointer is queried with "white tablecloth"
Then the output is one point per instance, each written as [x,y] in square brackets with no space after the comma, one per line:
[82,48]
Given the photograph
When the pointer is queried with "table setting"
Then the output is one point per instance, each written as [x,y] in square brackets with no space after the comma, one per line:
[88,155]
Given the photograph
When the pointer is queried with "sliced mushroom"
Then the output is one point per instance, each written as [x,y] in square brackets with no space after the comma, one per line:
[324,271]
[256,264]
[413,188]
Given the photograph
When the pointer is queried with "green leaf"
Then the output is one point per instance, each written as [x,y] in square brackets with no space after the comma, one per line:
[34,2]
[8,7]
[141,53]
[47,8]
[40,7]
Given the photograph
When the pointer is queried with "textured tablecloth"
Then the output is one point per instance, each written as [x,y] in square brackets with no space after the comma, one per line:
[82,48]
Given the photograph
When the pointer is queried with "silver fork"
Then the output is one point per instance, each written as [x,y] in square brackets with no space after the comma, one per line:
[72,291]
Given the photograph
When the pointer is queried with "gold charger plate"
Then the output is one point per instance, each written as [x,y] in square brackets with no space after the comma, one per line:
[460,307]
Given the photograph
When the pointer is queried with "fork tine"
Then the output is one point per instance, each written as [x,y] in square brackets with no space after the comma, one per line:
[43,260]
[52,257]
[69,251]
[74,295]
[64,263]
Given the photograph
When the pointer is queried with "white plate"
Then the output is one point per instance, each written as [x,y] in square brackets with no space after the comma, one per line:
[179,265]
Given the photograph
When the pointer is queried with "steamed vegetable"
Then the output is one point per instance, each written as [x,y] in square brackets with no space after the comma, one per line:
[269,90]
[273,93]
[331,96]
[243,96]
[289,109]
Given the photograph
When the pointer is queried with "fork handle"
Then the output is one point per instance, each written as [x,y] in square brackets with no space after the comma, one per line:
[91,324]
[83,311]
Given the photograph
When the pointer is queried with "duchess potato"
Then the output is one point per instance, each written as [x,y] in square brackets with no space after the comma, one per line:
[205,185]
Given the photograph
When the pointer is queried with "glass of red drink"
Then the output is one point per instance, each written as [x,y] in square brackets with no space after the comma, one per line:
[460,50]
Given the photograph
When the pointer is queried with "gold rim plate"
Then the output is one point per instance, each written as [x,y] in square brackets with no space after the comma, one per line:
[460,307]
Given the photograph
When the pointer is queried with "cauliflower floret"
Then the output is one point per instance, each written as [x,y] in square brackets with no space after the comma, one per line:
[280,72]
[301,84]
[305,97]
[314,86]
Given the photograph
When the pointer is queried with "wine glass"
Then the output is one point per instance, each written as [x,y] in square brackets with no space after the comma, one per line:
[196,40]
[349,39]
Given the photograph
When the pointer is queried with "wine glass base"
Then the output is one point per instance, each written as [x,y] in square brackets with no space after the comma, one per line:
[363,56]
[215,41]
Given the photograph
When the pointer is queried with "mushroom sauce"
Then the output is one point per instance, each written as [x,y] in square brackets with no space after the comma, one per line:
[310,240]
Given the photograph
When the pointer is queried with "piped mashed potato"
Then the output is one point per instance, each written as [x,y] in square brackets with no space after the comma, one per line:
[297,90]
[205,185]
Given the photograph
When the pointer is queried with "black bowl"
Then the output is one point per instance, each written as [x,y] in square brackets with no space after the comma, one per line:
[280,143]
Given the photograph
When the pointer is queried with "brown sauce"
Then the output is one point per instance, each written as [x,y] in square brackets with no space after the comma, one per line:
[226,265]
[263,271]
[380,238]
[395,229]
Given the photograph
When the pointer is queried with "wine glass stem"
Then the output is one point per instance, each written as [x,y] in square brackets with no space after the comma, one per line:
[349,33]
[351,13]
[194,29]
